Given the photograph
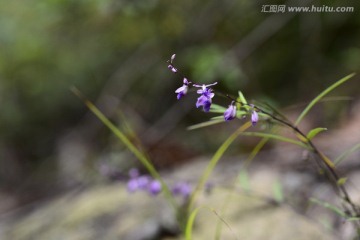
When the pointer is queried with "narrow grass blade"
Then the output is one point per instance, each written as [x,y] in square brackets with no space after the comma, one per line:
[328,206]
[346,153]
[190,223]
[214,160]
[255,151]
[217,108]
[205,124]
[320,96]
[218,118]
[258,147]
[122,137]
[276,137]
[353,219]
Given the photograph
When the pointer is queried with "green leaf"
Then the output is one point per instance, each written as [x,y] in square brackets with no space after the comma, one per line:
[256,150]
[190,223]
[315,132]
[276,137]
[217,108]
[329,206]
[320,96]
[278,191]
[353,219]
[205,124]
[242,98]
[341,181]
[218,118]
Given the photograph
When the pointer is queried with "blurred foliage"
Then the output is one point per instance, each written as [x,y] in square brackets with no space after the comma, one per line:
[118,48]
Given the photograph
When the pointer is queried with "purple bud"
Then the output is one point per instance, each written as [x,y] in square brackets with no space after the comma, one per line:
[132,185]
[154,187]
[254,117]
[172,68]
[172,58]
[230,113]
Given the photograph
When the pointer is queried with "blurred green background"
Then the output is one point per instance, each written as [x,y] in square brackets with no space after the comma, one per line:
[115,52]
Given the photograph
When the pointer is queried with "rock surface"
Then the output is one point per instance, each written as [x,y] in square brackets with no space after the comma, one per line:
[110,212]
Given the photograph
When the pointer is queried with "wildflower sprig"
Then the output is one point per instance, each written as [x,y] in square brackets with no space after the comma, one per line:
[207,94]
[205,100]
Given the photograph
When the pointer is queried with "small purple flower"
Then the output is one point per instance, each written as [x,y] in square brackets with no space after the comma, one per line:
[172,68]
[206,95]
[143,182]
[154,187]
[182,189]
[254,117]
[132,185]
[181,91]
[230,113]
[205,102]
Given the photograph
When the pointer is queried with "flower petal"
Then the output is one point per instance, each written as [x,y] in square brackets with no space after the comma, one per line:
[254,117]
[207,106]
[230,113]
[183,88]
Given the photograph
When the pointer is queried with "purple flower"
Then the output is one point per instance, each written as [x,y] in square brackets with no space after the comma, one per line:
[181,91]
[154,187]
[143,182]
[206,95]
[138,183]
[205,102]
[254,117]
[132,185]
[172,68]
[182,189]
[230,113]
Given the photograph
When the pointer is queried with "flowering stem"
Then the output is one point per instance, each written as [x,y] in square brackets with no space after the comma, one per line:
[333,175]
